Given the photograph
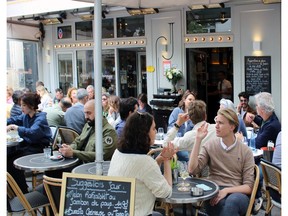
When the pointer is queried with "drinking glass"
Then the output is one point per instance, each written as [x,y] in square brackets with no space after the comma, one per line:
[183,186]
[161,133]
[245,140]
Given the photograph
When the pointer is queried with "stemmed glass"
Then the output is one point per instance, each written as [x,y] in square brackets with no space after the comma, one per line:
[183,171]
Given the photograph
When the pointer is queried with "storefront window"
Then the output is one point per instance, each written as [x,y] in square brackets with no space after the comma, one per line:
[64,32]
[85,69]
[65,71]
[22,64]
[84,30]
[208,20]
[107,28]
[130,26]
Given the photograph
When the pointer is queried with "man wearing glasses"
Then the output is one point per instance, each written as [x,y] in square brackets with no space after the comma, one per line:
[243,107]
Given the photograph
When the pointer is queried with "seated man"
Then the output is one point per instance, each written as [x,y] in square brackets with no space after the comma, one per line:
[83,146]
[277,152]
[56,113]
[197,114]
[231,165]
[127,107]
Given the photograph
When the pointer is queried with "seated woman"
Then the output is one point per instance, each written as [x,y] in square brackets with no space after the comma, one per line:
[231,165]
[33,127]
[143,104]
[187,98]
[113,116]
[130,159]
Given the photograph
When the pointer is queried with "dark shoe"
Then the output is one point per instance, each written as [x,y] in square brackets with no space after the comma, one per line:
[257,205]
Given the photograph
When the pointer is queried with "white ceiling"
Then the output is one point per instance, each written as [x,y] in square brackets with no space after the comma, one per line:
[16,8]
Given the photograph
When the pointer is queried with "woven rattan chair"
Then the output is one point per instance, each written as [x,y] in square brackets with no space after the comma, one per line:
[53,190]
[272,180]
[67,134]
[31,202]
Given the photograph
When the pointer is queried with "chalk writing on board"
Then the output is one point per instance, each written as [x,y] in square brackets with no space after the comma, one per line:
[97,195]
[257,74]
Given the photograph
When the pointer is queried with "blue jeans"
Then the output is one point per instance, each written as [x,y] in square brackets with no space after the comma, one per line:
[183,156]
[233,204]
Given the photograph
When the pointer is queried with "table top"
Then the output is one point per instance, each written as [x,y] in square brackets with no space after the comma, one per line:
[90,168]
[181,197]
[37,162]
[257,152]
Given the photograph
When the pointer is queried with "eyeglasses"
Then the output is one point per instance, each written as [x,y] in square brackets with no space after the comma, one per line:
[244,100]
[104,99]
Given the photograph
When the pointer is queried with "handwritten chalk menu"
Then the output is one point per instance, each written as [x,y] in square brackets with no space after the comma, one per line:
[84,194]
[257,74]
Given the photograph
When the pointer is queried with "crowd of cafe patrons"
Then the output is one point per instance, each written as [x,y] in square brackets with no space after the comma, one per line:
[129,132]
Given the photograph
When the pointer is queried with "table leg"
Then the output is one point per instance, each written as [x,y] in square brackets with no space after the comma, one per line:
[184,208]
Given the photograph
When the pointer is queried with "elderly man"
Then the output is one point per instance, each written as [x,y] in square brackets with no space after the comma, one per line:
[74,117]
[83,146]
[90,90]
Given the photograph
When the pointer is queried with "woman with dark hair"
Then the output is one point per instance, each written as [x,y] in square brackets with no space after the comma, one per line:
[231,165]
[187,98]
[130,159]
[143,104]
[33,127]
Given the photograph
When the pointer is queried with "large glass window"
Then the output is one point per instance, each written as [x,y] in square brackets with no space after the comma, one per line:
[107,28]
[85,69]
[22,64]
[65,70]
[208,20]
[130,26]
[84,30]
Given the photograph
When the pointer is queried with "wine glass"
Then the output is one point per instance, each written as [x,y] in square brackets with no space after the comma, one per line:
[183,186]
[161,133]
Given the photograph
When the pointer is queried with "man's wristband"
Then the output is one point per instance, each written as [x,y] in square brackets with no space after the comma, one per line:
[176,125]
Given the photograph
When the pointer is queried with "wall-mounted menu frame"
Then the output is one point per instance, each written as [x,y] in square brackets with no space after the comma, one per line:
[83,194]
[257,74]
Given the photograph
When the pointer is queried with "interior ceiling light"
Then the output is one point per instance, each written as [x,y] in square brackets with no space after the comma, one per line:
[142,11]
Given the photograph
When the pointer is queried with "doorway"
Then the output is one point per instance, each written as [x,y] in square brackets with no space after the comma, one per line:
[203,64]
[132,72]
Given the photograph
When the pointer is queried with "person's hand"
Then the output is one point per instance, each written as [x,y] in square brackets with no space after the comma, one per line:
[239,136]
[202,131]
[168,151]
[239,108]
[12,127]
[182,118]
[249,117]
[66,150]
[222,194]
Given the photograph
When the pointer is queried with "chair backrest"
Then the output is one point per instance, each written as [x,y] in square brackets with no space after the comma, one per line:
[54,131]
[67,134]
[53,190]
[272,179]
[14,191]
[254,190]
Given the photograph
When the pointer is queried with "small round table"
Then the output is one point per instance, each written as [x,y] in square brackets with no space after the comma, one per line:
[90,168]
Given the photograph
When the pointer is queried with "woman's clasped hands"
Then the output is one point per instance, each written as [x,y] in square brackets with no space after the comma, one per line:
[168,151]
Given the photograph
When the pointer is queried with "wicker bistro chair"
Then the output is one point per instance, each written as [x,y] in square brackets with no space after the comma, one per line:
[200,210]
[272,180]
[17,202]
[67,134]
[53,190]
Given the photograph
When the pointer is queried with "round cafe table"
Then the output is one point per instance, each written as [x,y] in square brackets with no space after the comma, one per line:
[90,168]
[37,162]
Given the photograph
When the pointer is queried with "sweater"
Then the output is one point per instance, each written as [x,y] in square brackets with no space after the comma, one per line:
[150,183]
[230,168]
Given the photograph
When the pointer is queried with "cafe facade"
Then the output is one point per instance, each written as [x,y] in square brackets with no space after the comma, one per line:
[243,40]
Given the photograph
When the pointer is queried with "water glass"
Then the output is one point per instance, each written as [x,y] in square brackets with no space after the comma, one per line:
[245,140]
[252,144]
[161,132]
[47,152]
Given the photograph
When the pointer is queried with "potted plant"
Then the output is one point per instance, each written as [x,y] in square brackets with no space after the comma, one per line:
[174,75]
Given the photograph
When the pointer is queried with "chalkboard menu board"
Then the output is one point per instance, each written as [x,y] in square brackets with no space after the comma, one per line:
[257,74]
[84,194]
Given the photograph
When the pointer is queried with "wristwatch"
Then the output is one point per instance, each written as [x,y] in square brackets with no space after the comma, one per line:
[176,125]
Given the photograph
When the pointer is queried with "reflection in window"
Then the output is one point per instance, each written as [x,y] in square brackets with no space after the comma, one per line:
[208,20]
[84,30]
[85,69]
[22,64]
[65,71]
[130,26]
[107,28]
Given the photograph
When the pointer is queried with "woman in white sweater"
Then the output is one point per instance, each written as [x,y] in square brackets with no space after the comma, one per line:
[130,159]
